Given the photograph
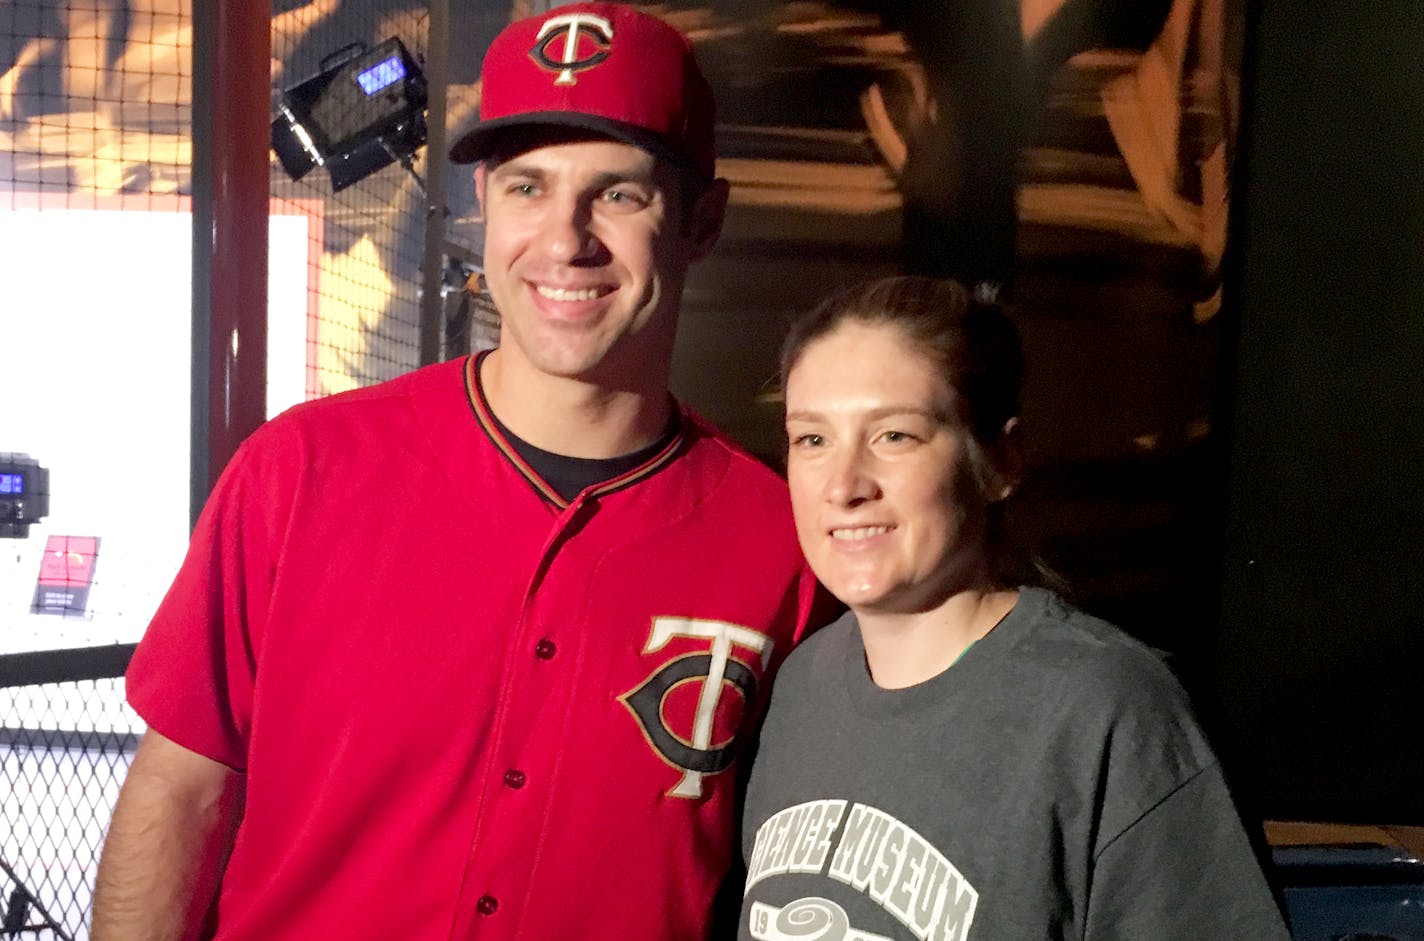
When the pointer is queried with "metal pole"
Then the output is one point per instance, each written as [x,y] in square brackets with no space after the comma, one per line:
[437,73]
[231,102]
[25,899]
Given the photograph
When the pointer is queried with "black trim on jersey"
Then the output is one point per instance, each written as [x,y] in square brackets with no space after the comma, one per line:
[570,476]
[613,475]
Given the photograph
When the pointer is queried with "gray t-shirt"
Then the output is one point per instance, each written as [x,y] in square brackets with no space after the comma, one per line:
[1051,784]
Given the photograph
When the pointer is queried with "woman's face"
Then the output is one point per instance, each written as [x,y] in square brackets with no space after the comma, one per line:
[889,507]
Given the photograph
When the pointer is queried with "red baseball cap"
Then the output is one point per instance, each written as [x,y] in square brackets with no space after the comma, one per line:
[601,67]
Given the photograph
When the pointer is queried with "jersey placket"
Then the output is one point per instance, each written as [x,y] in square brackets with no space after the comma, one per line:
[538,689]
[540,684]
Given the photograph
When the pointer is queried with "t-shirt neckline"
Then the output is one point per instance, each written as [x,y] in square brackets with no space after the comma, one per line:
[967,676]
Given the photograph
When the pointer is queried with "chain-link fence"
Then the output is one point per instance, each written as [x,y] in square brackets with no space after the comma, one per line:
[66,738]
[95,151]
[368,240]
[96,200]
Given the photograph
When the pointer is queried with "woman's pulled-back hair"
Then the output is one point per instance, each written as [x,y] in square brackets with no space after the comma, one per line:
[974,342]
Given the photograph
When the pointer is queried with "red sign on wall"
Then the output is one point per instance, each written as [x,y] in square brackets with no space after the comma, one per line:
[66,574]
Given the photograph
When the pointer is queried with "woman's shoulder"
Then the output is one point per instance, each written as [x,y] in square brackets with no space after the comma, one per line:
[1072,636]
[1113,703]
[1094,660]
[823,650]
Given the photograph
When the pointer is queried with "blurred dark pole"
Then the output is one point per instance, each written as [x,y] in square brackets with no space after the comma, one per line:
[231,115]
[437,74]
[958,181]
[1320,650]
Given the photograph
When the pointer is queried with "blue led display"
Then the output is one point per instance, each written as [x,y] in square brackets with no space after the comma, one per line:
[381,75]
[13,484]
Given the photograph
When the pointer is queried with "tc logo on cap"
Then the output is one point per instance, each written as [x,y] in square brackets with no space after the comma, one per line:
[571,26]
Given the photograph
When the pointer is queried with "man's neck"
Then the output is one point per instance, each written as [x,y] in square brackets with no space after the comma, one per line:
[574,417]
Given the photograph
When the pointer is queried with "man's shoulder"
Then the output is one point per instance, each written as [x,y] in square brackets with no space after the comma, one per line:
[382,430]
[709,443]
[437,379]
[374,408]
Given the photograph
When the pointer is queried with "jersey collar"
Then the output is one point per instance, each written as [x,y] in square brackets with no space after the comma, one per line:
[475,393]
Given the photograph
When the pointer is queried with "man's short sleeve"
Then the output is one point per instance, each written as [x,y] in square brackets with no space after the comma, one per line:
[192,676]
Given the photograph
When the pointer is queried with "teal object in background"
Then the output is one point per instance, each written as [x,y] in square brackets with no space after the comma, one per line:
[1360,892]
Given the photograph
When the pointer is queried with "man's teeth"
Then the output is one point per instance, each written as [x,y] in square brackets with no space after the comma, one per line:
[859,532]
[567,294]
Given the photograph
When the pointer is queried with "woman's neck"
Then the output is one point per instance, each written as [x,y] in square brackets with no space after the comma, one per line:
[905,649]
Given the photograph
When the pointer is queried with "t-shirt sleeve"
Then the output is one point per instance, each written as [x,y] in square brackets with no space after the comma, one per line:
[1184,870]
[191,677]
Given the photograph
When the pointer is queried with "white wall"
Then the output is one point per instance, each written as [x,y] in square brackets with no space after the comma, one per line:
[95,385]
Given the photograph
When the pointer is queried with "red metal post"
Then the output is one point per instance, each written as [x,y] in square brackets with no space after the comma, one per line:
[238,163]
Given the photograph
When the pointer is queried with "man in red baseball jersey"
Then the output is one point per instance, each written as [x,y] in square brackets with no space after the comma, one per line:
[470,654]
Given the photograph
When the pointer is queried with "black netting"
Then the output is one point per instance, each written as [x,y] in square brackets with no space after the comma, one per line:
[366,242]
[95,156]
[96,185]
[64,750]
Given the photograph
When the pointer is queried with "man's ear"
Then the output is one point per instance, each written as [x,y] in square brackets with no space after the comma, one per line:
[480,187]
[708,213]
[1007,459]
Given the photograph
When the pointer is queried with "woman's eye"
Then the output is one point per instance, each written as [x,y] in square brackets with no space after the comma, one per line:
[896,437]
[809,441]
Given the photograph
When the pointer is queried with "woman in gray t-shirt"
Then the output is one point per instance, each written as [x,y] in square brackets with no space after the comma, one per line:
[956,757]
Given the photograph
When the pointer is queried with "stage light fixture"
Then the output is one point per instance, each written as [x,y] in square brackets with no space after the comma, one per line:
[24,494]
[363,111]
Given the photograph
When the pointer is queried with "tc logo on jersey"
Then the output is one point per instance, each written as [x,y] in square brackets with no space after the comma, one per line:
[692,750]
[595,31]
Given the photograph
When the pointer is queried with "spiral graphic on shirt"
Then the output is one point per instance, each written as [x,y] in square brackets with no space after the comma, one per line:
[813,919]
[808,919]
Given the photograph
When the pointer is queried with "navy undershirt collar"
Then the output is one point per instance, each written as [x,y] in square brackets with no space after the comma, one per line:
[569,476]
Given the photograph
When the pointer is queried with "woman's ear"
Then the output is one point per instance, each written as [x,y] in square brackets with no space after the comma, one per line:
[1006,458]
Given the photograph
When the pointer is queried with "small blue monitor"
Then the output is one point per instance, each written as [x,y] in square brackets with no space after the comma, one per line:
[12,484]
[381,75]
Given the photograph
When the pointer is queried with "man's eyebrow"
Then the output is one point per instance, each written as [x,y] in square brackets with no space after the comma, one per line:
[510,172]
[646,176]
[640,175]
[517,167]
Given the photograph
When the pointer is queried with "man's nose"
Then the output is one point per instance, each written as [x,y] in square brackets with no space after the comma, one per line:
[566,232]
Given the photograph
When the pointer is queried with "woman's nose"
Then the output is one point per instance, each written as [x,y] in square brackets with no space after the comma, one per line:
[851,478]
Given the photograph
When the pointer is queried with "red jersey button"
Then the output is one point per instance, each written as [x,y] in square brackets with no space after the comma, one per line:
[487,904]
[545,649]
[514,778]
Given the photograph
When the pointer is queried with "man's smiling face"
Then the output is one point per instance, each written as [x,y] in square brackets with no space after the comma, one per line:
[587,246]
